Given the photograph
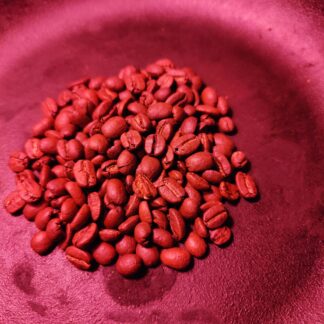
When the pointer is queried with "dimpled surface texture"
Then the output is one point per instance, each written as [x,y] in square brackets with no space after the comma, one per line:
[271,67]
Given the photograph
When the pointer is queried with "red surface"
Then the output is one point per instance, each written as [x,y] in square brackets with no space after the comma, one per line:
[267,56]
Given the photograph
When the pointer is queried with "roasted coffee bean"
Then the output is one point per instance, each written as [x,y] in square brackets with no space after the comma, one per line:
[149,255]
[131,140]
[43,217]
[189,208]
[215,216]
[28,189]
[199,161]
[189,125]
[126,162]
[144,212]
[160,219]
[32,148]
[30,210]
[98,143]
[195,245]
[70,150]
[246,185]
[193,193]
[114,127]
[129,224]
[165,128]
[239,160]
[104,253]
[200,228]
[81,218]
[18,161]
[209,96]
[159,110]
[223,164]
[221,235]
[177,224]
[41,243]
[68,210]
[79,258]
[150,166]
[198,182]
[155,144]
[128,264]
[13,203]
[68,237]
[171,191]
[222,106]
[186,145]
[109,235]
[177,258]
[162,238]
[54,230]
[84,173]
[143,187]
[126,245]
[229,191]
[116,192]
[136,108]
[49,107]
[177,175]
[226,124]
[141,123]
[114,151]
[114,218]
[132,206]
[84,237]
[75,192]
[142,233]
[223,144]
[168,158]
[212,176]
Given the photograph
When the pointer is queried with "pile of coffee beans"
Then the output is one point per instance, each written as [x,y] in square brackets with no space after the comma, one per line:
[132,169]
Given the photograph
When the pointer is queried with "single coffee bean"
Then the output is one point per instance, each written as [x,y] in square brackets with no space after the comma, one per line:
[126,245]
[102,110]
[162,238]
[131,140]
[177,175]
[54,230]
[32,148]
[109,235]
[200,228]
[209,96]
[86,236]
[13,203]
[176,258]
[246,185]
[104,253]
[159,110]
[128,265]
[177,224]
[95,205]
[149,255]
[186,145]
[198,182]
[68,210]
[57,202]
[168,159]
[129,224]
[18,161]
[193,193]
[171,191]
[143,187]
[229,191]
[144,212]
[49,107]
[69,150]
[223,106]
[79,258]
[75,192]
[116,192]
[150,166]
[199,161]
[114,127]
[98,143]
[135,83]
[114,218]
[28,189]
[84,173]
[142,233]
[141,123]
[215,216]
[165,128]
[41,243]
[220,235]
[208,110]
[68,237]
[132,206]
[222,163]
[160,219]
[81,218]
[114,83]
[239,160]
[45,175]
[126,162]
[226,125]
[196,245]
[189,208]
[155,144]
[114,151]
[136,108]
[43,217]
[189,125]
[212,176]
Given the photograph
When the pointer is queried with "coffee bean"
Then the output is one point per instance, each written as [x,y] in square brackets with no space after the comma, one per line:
[229,191]
[246,185]
[162,238]
[128,264]
[155,144]
[215,216]
[84,173]
[84,237]
[195,245]
[116,192]
[129,224]
[200,228]
[28,189]
[75,192]
[159,110]
[41,243]
[30,210]
[114,127]
[114,218]
[150,166]
[131,140]
[13,203]
[104,253]
[54,230]
[221,235]
[144,211]
[189,208]
[223,164]
[222,106]
[81,218]
[226,125]
[177,224]
[126,245]
[18,161]
[239,160]
[142,233]
[199,161]
[212,176]
[141,123]
[186,145]
[209,96]
[43,217]
[126,162]
[189,125]
[171,191]
[132,206]
[143,187]
[160,219]
[197,181]
[79,258]
[176,258]
[223,144]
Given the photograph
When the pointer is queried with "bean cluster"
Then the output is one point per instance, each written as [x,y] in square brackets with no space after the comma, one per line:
[133,168]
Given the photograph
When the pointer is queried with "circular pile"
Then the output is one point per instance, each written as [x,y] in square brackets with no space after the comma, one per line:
[132,168]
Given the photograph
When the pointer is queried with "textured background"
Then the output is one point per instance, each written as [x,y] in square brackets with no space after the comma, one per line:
[267,56]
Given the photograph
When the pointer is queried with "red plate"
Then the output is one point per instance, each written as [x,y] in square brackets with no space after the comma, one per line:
[267,56]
